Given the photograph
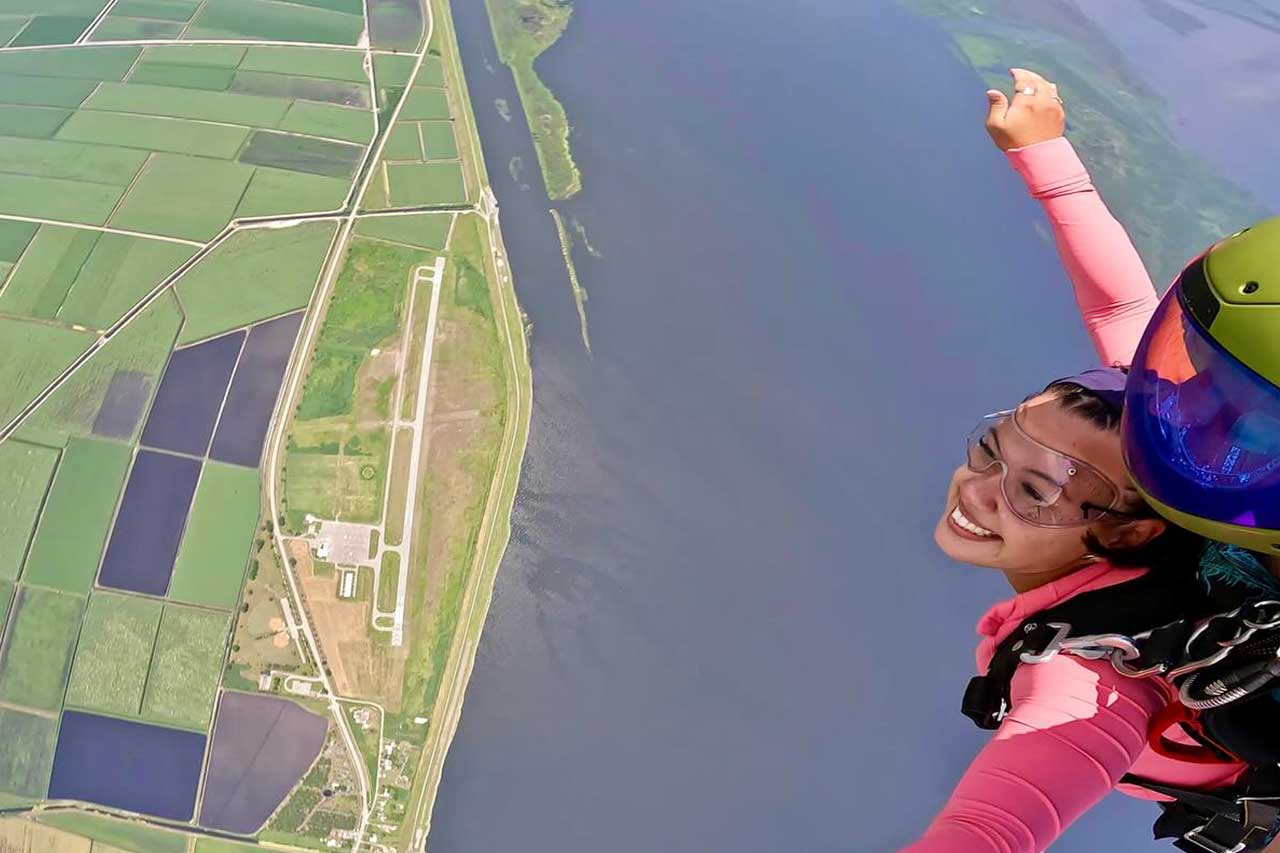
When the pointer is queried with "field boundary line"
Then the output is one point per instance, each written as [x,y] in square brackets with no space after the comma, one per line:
[142,235]
[106,10]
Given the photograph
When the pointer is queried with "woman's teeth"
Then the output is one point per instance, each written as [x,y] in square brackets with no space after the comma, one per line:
[959,518]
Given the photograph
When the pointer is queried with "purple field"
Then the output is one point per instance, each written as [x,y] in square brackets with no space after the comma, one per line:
[190,395]
[148,528]
[254,389]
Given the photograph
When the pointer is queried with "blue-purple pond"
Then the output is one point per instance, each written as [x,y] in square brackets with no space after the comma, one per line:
[148,528]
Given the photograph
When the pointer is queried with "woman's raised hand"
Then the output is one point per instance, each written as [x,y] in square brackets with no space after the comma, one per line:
[1034,115]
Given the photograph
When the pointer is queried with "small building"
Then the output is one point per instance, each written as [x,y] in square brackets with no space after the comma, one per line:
[265,682]
[347,585]
[322,550]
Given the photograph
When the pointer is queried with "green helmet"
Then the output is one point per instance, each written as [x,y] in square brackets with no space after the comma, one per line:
[1202,403]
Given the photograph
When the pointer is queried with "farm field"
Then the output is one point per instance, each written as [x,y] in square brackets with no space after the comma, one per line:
[25,471]
[114,653]
[36,658]
[123,835]
[215,547]
[185,668]
[77,516]
[27,758]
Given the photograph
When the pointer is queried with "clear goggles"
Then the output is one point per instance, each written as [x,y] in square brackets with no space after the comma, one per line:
[1042,486]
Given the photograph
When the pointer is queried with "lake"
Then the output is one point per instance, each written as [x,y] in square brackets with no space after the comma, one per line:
[722,623]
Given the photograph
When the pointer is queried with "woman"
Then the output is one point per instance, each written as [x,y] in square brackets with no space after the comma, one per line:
[1044,497]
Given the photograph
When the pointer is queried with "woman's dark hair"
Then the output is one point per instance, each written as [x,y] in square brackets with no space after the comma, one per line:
[1176,548]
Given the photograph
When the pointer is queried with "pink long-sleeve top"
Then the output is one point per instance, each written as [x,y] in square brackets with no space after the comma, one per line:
[1076,726]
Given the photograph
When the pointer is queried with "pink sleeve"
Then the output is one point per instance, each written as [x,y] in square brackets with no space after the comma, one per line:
[1112,287]
[1076,727]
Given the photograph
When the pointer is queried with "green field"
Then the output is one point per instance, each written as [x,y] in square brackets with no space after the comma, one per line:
[404,143]
[425,103]
[276,191]
[306,61]
[31,356]
[122,835]
[81,276]
[181,196]
[426,183]
[392,71]
[44,91]
[264,20]
[140,348]
[52,29]
[210,77]
[36,658]
[301,154]
[425,230]
[217,845]
[6,599]
[77,518]
[183,681]
[54,158]
[114,653]
[178,136]
[25,471]
[15,236]
[224,55]
[118,28]
[215,547]
[90,63]
[27,757]
[329,120]
[522,31]
[56,198]
[441,144]
[253,275]
[30,121]
[171,10]
[229,107]
[388,578]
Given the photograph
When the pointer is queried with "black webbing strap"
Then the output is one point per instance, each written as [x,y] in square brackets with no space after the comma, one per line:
[1242,819]
[1154,599]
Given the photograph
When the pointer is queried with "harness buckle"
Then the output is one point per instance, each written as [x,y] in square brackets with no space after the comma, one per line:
[1195,837]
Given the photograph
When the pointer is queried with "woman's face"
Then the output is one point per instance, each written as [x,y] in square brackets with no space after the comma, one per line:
[1024,552]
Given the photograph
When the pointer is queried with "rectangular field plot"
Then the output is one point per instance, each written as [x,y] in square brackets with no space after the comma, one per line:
[262,747]
[181,196]
[215,548]
[186,667]
[25,471]
[177,136]
[395,24]
[15,236]
[120,28]
[89,63]
[117,274]
[149,525]
[425,230]
[246,415]
[222,55]
[52,29]
[36,657]
[186,406]
[127,765]
[404,143]
[425,104]
[330,121]
[77,517]
[42,279]
[426,183]
[253,275]
[121,836]
[307,62]
[31,121]
[275,191]
[114,653]
[55,198]
[186,76]
[52,158]
[170,10]
[338,92]
[44,91]
[27,756]
[31,356]
[107,395]
[264,20]
[229,107]
[441,144]
[301,154]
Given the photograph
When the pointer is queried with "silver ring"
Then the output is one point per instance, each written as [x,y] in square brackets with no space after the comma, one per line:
[1029,90]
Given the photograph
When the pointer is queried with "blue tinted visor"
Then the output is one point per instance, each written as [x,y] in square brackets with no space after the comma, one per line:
[1201,430]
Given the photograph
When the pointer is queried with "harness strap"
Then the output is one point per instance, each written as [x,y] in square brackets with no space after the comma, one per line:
[1237,820]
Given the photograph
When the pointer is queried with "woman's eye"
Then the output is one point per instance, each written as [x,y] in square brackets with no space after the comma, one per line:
[986,448]
[1033,493]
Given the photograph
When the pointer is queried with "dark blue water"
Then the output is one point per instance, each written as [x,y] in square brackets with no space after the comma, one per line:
[190,394]
[128,765]
[722,624]
[148,527]
[246,414]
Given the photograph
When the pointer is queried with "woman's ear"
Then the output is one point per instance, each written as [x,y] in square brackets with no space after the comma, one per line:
[1130,535]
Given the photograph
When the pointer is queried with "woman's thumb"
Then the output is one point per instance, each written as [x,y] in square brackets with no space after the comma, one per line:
[998,104]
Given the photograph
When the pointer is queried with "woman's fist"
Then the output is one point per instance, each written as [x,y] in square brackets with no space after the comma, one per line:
[1028,118]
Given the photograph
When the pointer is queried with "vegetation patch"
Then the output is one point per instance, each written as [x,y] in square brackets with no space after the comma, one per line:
[215,547]
[225,55]
[338,92]
[229,107]
[182,196]
[77,517]
[89,63]
[307,61]
[52,29]
[426,183]
[118,273]
[44,91]
[388,580]
[265,20]
[276,191]
[209,77]
[137,353]
[14,238]
[403,143]
[254,274]
[128,835]
[53,158]
[424,103]
[441,144]
[42,279]
[30,121]
[114,653]
[55,198]
[25,472]
[31,356]
[117,28]
[301,154]
[171,10]
[184,673]
[177,136]
[27,757]
[330,121]
[523,30]
[425,230]
[36,657]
